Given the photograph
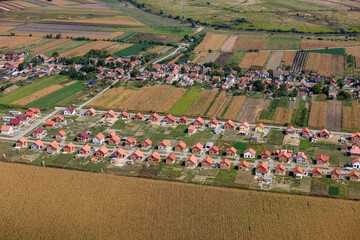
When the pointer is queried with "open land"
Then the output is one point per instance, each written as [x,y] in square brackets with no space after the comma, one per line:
[334,115]
[254,59]
[202,102]
[251,108]
[211,41]
[275,60]
[288,58]
[320,63]
[234,107]
[318,114]
[246,43]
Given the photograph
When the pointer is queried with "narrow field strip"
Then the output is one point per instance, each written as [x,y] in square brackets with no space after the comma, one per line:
[37,95]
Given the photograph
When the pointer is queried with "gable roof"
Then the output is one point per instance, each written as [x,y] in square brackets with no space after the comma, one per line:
[245,163]
[5,128]
[147,141]
[155,155]
[335,171]
[214,148]
[138,153]
[104,150]
[84,135]
[262,165]
[192,158]
[298,169]
[266,152]
[245,124]
[100,136]
[39,143]
[171,156]
[70,145]
[317,170]
[164,142]
[200,120]
[280,166]
[62,133]
[301,155]
[208,159]
[86,147]
[121,151]
[354,173]
[322,157]
[260,125]
[231,149]
[181,144]
[249,150]
[226,161]
[198,145]
[285,154]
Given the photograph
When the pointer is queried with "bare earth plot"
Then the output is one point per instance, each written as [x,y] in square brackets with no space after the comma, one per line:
[229,44]
[224,58]
[211,57]
[275,60]
[251,108]
[334,115]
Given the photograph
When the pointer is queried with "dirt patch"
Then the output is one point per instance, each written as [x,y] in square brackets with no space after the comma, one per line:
[251,108]
[334,115]
[229,44]
[293,140]
[275,60]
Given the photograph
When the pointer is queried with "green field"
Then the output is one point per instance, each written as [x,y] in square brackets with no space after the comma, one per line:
[131,50]
[279,43]
[186,101]
[66,47]
[237,58]
[57,96]
[335,51]
[32,88]
[283,103]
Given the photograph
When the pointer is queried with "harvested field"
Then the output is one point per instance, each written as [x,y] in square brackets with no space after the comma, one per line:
[334,115]
[223,107]
[150,37]
[337,65]
[56,2]
[229,44]
[118,47]
[15,41]
[223,59]
[202,103]
[10,89]
[355,51]
[313,44]
[26,4]
[299,61]
[351,117]
[246,43]
[5,30]
[140,100]
[288,58]
[50,45]
[320,63]
[37,95]
[70,83]
[198,56]
[214,108]
[281,116]
[250,109]
[254,59]
[79,51]
[234,108]
[211,41]
[106,21]
[318,114]
[275,60]
[93,6]
[211,57]
[76,212]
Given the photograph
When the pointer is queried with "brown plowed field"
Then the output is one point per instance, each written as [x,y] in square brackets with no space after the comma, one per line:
[320,63]
[211,41]
[234,108]
[202,103]
[334,115]
[229,44]
[37,95]
[254,59]
[351,117]
[251,108]
[288,58]
[214,108]
[318,114]
[246,43]
[314,44]
[223,59]
[337,65]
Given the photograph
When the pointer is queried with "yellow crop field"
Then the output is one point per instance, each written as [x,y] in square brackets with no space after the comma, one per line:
[254,59]
[288,58]
[37,95]
[201,103]
[219,100]
[249,42]
[234,108]
[318,113]
[5,30]
[37,203]
[111,21]
[15,41]
[198,56]
[223,108]
[211,41]
[320,63]
[351,117]
[50,45]
[79,51]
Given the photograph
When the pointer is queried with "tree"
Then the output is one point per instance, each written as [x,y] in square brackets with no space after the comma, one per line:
[259,86]
[344,95]
[341,83]
[316,89]
[58,36]
[342,30]
[293,30]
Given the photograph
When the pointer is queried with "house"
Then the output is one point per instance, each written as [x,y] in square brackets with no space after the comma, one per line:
[229,125]
[180,147]
[290,130]
[119,153]
[197,148]
[37,145]
[280,170]
[130,142]
[154,157]
[249,153]
[99,139]
[38,133]
[69,148]
[146,144]
[261,169]
[199,122]
[225,164]
[324,133]
[30,114]
[356,163]
[169,119]
[114,140]
[109,115]
[60,135]
[58,118]
[111,134]
[53,147]
[137,155]
[231,152]
[336,174]
[163,145]
[260,128]
[69,111]
[244,128]
[49,124]
[90,112]
[170,159]
[322,160]
[191,161]
[15,122]
[83,137]
[265,155]
[301,158]
[243,165]
[21,143]
[102,152]
[124,115]
[298,172]
[84,151]
[154,117]
[354,176]
[276,153]
[207,162]
[213,123]
[306,133]
[354,151]
[35,111]
[355,137]
[139,117]
[6,129]
[183,120]
[316,172]
[214,150]
[191,129]
[285,156]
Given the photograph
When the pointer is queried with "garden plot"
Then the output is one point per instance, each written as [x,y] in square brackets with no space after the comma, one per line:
[254,59]
[251,108]
[275,60]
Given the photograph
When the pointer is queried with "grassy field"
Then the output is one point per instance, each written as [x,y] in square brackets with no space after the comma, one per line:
[279,43]
[131,50]
[52,210]
[237,58]
[335,51]
[186,101]
[57,96]
[32,88]
[66,47]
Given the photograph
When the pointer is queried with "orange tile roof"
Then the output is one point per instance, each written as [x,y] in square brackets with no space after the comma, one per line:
[227,161]
[317,170]
[5,128]
[260,125]
[148,141]
[115,138]
[262,164]
[192,127]
[266,152]
[245,163]
[353,173]
[131,140]
[231,123]
[356,134]
[298,169]
[138,153]
[39,143]
[164,142]
[62,133]
[232,149]
[286,154]
[23,139]
[155,115]
[121,151]
[54,144]
[104,150]
[280,166]
[199,119]
[193,159]
[208,159]
[181,144]
[49,122]
[335,171]
[171,156]
[301,155]
[70,145]
[322,157]
[249,150]
[198,145]
[100,136]
[155,155]
[86,147]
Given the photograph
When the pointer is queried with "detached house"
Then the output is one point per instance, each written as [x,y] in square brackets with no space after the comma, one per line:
[6,129]
[183,120]
[306,133]
[324,133]
[154,117]
[69,111]
[124,115]
[53,147]
[146,144]
[119,153]
[49,124]
[244,128]
[58,118]
[298,172]
[207,162]
[102,152]
[83,137]
[214,150]
[130,142]
[354,176]
[229,125]
[21,143]
[197,148]
[322,160]
[261,169]
[213,123]
[199,122]
[37,145]
[225,164]
[90,112]
[356,163]
[60,135]
[355,137]
[69,148]
[265,155]
[260,128]
[316,172]
[139,117]
[84,151]
[38,133]
[290,130]
[243,166]
[99,139]
[169,119]
[249,153]
[114,140]
[109,115]
[285,156]
[170,159]
[280,170]
[180,147]
[191,129]
[154,157]
[137,155]
[336,174]
[191,162]
[231,152]
[301,158]
[163,145]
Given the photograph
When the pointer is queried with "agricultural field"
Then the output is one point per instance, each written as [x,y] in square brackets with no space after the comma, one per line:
[334,115]
[351,117]
[354,51]
[37,95]
[337,65]
[221,111]
[199,56]
[236,58]
[234,107]
[318,114]
[134,49]
[186,101]
[211,41]
[16,41]
[299,61]
[320,63]
[223,59]
[50,45]
[315,44]
[201,104]
[210,57]
[229,44]
[282,116]
[216,105]
[254,59]
[105,21]
[150,37]
[65,47]
[275,60]
[81,50]
[280,43]
[251,108]
[250,42]
[288,58]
